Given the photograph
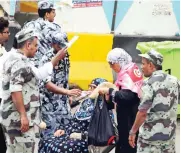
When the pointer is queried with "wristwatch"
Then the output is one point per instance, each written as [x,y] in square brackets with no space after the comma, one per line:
[132,133]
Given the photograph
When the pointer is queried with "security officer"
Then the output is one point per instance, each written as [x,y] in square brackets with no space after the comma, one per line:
[46,28]
[20,112]
[157,115]
[54,91]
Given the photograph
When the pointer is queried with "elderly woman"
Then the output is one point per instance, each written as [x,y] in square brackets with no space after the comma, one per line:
[62,142]
[129,81]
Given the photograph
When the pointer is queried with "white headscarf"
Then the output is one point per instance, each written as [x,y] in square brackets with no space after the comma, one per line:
[119,55]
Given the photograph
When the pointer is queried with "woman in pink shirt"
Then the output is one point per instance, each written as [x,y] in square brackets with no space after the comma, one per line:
[129,81]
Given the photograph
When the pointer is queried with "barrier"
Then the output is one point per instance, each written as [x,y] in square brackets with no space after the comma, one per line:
[88,58]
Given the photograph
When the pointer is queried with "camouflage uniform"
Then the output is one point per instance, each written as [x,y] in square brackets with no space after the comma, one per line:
[46,31]
[160,98]
[55,109]
[18,76]
[52,104]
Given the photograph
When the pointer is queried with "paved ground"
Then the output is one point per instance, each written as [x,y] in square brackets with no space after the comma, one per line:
[177,140]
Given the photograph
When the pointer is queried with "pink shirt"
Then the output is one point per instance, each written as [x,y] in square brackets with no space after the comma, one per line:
[130,78]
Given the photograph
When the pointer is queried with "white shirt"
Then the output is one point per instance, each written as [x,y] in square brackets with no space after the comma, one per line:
[3,53]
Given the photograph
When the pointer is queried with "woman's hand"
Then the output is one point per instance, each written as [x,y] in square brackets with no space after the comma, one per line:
[59,133]
[104,91]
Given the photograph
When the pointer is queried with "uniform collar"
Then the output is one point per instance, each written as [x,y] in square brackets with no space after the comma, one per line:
[19,52]
[158,72]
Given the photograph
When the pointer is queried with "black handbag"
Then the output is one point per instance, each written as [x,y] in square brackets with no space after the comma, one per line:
[101,131]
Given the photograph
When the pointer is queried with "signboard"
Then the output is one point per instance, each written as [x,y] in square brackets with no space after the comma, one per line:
[86,3]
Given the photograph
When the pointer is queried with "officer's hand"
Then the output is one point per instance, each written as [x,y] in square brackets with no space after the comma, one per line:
[74,92]
[132,138]
[60,55]
[59,133]
[24,123]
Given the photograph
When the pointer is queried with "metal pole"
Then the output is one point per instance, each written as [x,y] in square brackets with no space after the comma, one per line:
[114,16]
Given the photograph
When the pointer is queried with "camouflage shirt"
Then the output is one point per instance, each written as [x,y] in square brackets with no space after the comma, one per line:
[160,98]
[45,30]
[18,76]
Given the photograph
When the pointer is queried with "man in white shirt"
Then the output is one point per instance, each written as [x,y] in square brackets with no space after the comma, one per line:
[4,36]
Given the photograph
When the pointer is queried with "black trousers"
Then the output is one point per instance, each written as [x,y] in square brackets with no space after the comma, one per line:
[125,117]
[2,140]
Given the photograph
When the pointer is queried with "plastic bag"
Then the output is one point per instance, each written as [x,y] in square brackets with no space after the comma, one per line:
[101,131]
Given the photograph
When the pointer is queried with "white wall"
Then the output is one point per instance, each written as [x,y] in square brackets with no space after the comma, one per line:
[149,18]
[90,19]
[144,17]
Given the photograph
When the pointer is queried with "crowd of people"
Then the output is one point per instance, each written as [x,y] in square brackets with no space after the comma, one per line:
[34,88]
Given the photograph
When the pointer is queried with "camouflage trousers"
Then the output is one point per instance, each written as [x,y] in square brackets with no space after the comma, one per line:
[156,147]
[18,142]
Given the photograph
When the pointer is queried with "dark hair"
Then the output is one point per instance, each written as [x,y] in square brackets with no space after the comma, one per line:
[42,12]
[15,43]
[3,24]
